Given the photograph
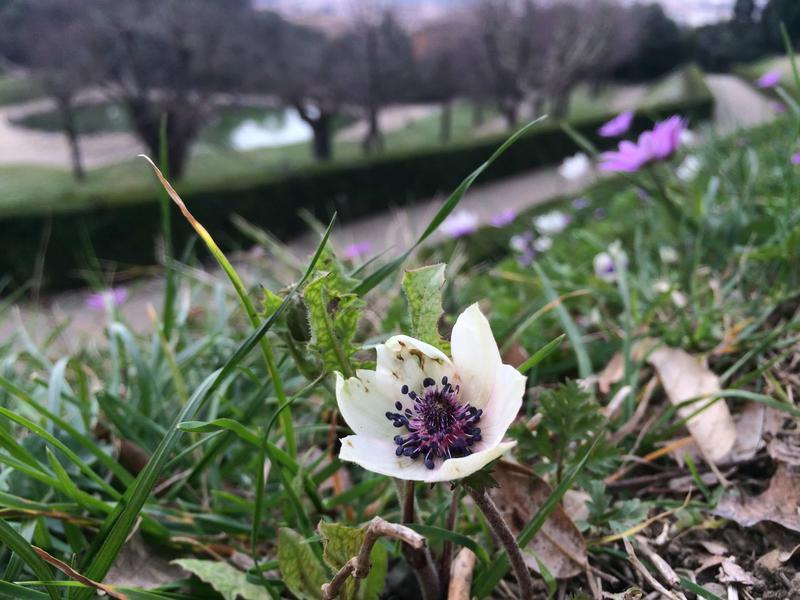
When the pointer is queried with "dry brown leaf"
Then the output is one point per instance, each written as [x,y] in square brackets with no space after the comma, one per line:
[749,432]
[778,504]
[784,451]
[612,373]
[141,566]
[775,558]
[558,545]
[683,378]
[708,562]
[714,547]
[730,572]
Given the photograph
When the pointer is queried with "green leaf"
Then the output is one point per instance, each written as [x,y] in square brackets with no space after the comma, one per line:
[20,546]
[342,543]
[270,302]
[230,582]
[423,288]
[333,316]
[300,569]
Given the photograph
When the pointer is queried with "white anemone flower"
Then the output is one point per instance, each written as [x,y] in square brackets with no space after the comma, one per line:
[424,417]
[552,223]
[575,167]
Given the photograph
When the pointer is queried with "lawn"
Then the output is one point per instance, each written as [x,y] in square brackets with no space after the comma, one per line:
[30,190]
[14,90]
[650,331]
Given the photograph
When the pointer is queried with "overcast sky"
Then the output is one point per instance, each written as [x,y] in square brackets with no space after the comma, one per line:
[692,12]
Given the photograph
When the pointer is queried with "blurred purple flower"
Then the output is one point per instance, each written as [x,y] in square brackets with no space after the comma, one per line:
[113,296]
[580,203]
[528,246]
[777,107]
[617,126]
[460,224]
[658,144]
[357,250]
[605,267]
[600,213]
[503,218]
[796,158]
[769,79]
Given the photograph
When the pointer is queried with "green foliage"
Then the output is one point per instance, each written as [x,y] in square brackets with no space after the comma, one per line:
[571,418]
[341,543]
[423,288]
[229,581]
[300,568]
[333,315]
[605,513]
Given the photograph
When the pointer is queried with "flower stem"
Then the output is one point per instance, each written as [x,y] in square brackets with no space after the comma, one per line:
[419,558]
[447,548]
[503,533]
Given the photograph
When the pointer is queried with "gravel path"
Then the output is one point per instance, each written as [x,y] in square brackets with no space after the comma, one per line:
[738,106]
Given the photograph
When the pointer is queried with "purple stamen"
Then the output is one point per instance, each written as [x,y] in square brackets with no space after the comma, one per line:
[439,426]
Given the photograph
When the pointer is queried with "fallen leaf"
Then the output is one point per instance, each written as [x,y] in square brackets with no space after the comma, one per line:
[141,566]
[708,562]
[714,547]
[684,378]
[576,504]
[784,451]
[559,545]
[749,432]
[730,572]
[612,373]
[778,504]
[775,558]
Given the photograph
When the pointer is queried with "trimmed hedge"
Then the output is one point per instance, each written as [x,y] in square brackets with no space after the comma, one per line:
[123,229]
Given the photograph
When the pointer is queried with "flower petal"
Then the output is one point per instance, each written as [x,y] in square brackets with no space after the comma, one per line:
[363,402]
[458,468]
[475,356]
[408,361]
[378,456]
[504,404]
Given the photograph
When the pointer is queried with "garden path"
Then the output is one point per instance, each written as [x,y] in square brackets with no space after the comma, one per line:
[738,105]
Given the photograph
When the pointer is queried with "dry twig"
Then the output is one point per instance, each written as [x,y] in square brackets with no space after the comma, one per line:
[461,575]
[359,566]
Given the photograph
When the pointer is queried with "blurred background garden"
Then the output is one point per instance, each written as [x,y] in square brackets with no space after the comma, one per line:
[613,182]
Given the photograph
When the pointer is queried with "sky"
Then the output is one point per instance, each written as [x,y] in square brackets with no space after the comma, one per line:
[690,12]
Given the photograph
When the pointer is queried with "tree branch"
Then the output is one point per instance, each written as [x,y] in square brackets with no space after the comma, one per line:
[358,567]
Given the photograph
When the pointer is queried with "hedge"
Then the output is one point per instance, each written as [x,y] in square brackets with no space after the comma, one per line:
[122,230]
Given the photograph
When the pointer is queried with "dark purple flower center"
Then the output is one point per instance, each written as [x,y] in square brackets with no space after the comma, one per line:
[438,425]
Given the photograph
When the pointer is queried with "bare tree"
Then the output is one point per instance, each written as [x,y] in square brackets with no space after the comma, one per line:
[166,60]
[381,66]
[46,38]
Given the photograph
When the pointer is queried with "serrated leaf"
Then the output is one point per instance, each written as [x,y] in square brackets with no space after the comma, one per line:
[230,582]
[423,288]
[270,302]
[301,571]
[341,543]
[333,316]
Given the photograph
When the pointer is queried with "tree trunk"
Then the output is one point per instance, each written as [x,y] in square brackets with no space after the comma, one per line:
[446,122]
[373,141]
[509,111]
[321,130]
[182,128]
[561,104]
[71,132]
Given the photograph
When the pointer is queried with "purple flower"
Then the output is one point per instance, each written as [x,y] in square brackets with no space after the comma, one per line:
[617,126]
[112,296]
[777,107]
[796,158]
[605,264]
[460,224]
[580,203]
[357,250]
[600,213]
[503,218]
[769,79]
[656,145]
